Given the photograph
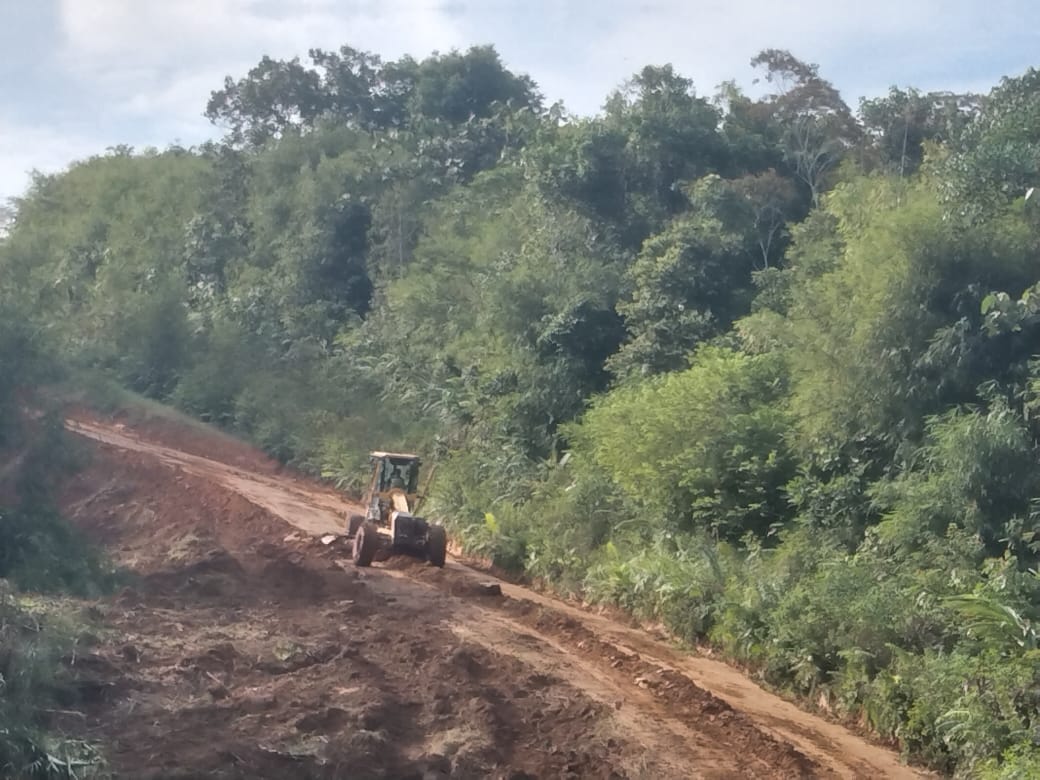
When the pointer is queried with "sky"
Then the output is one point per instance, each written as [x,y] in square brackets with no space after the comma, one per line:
[79,76]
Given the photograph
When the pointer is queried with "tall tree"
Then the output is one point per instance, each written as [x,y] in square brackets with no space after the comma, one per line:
[999,157]
[358,89]
[274,96]
[772,203]
[688,283]
[459,85]
[671,137]
[899,124]
[817,128]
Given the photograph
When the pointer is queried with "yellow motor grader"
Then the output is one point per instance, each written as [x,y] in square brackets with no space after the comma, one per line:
[390,521]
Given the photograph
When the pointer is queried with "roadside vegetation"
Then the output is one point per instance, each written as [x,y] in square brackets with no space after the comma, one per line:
[42,559]
[762,368]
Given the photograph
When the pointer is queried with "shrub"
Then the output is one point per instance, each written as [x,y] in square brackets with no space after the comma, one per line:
[33,641]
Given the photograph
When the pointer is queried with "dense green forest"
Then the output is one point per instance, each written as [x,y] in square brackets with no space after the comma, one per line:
[759,367]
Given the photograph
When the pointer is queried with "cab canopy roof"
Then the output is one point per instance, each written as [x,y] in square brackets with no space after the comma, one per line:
[395,455]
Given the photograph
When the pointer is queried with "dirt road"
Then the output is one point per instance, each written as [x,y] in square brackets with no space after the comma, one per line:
[247,648]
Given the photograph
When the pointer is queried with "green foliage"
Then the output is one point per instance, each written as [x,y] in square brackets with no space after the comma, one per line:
[974,472]
[1020,762]
[701,448]
[855,327]
[40,552]
[150,339]
[43,553]
[968,709]
[998,157]
[211,385]
[996,625]
[357,88]
[902,123]
[688,283]
[679,582]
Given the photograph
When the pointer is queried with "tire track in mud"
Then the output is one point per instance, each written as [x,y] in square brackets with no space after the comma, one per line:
[687,716]
[240,652]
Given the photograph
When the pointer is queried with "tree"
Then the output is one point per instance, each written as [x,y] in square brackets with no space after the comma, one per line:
[671,356]
[772,203]
[311,215]
[274,96]
[585,163]
[900,124]
[817,127]
[671,137]
[501,338]
[701,448]
[358,89]
[457,86]
[750,131]
[975,472]
[628,167]
[999,156]
[689,282]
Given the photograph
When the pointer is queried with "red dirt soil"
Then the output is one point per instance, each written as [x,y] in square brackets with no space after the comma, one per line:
[245,647]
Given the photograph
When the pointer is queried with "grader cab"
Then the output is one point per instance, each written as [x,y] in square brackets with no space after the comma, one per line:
[390,522]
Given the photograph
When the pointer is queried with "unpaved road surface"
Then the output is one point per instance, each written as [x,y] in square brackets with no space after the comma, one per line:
[247,648]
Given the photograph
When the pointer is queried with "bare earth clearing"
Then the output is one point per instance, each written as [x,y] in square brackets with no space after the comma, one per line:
[247,648]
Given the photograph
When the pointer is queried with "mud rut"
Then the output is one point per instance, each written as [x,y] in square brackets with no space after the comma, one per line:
[247,648]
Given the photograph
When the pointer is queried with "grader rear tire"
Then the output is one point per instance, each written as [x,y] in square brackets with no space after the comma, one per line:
[366,542]
[436,545]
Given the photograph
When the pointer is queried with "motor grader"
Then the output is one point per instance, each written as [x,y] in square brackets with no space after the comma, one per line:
[390,523]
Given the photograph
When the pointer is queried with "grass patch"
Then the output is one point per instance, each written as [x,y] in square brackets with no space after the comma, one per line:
[106,396]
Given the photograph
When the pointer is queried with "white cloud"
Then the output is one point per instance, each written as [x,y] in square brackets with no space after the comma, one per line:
[861,46]
[166,55]
[187,33]
[154,60]
[142,70]
[24,148]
